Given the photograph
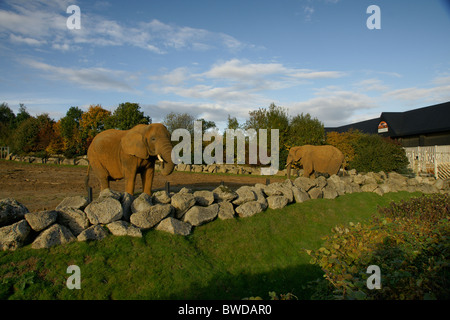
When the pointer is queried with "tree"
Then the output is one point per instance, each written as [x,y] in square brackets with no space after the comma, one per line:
[25,136]
[127,115]
[344,141]
[69,129]
[174,121]
[7,124]
[303,129]
[22,115]
[92,123]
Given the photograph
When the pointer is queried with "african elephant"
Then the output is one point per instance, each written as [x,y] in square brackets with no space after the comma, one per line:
[117,154]
[323,159]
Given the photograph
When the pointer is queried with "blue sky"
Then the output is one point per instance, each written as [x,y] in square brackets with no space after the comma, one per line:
[214,58]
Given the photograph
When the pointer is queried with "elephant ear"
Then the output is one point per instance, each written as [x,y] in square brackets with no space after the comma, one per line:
[133,144]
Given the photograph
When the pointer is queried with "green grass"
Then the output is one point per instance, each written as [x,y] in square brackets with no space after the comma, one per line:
[229,259]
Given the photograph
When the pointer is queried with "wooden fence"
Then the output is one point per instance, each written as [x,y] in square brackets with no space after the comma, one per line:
[433,160]
[4,152]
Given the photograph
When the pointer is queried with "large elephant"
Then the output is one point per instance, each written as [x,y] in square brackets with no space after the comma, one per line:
[118,154]
[323,159]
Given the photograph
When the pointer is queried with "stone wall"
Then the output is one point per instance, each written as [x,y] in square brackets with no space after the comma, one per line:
[179,213]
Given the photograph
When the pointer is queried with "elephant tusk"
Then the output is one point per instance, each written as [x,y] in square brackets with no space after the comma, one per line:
[160,159]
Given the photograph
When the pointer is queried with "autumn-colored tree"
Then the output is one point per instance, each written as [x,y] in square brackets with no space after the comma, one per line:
[69,127]
[344,141]
[56,145]
[92,123]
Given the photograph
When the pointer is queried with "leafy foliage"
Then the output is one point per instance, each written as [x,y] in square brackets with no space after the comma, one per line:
[409,242]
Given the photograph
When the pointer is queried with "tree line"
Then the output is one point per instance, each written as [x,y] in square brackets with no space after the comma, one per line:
[72,134]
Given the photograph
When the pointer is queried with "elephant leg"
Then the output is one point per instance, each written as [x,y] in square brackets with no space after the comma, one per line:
[147,180]
[307,171]
[101,174]
[130,181]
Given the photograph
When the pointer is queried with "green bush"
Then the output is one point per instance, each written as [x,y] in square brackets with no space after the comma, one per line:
[375,153]
[409,242]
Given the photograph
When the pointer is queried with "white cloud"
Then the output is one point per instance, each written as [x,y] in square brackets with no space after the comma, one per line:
[90,78]
[39,21]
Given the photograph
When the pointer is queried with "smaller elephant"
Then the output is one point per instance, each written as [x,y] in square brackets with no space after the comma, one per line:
[323,159]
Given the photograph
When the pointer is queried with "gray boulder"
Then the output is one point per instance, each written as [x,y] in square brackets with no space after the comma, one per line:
[226,210]
[123,228]
[95,232]
[223,193]
[14,236]
[198,215]
[204,198]
[182,202]
[369,187]
[260,197]
[104,211]
[150,217]
[245,194]
[329,192]
[74,219]
[277,202]
[11,211]
[299,194]
[315,193]
[280,189]
[174,226]
[39,221]
[55,235]
[108,193]
[141,203]
[249,209]
[161,197]
[304,183]
[76,202]
[127,201]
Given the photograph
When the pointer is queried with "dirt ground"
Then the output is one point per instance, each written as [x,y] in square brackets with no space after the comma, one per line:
[43,187]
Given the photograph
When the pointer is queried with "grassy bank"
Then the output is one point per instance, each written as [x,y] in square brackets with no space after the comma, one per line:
[229,259]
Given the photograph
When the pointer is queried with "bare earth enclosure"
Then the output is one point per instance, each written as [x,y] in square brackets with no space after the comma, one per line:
[42,187]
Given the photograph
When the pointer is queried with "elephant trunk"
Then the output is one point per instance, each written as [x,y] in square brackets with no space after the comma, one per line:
[167,165]
[288,168]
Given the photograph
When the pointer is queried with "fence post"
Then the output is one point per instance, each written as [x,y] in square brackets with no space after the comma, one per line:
[436,173]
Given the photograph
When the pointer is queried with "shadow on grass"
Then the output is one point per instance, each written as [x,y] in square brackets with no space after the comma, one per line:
[236,287]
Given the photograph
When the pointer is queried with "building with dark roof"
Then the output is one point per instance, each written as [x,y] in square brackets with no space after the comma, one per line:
[428,126]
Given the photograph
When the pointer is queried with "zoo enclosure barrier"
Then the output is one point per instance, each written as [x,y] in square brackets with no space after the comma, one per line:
[434,160]
[4,152]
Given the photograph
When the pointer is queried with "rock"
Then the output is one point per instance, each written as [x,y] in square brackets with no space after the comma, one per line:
[161,197]
[108,193]
[260,197]
[329,192]
[127,201]
[96,232]
[280,189]
[223,193]
[304,183]
[151,217]
[141,203]
[185,190]
[379,191]
[74,219]
[245,194]
[369,187]
[104,210]
[299,194]
[182,202]
[174,226]
[198,215]
[14,236]
[439,184]
[359,179]
[249,209]
[123,228]
[76,202]
[226,210]
[11,211]
[277,202]
[315,193]
[55,235]
[352,172]
[204,198]
[321,182]
[39,221]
